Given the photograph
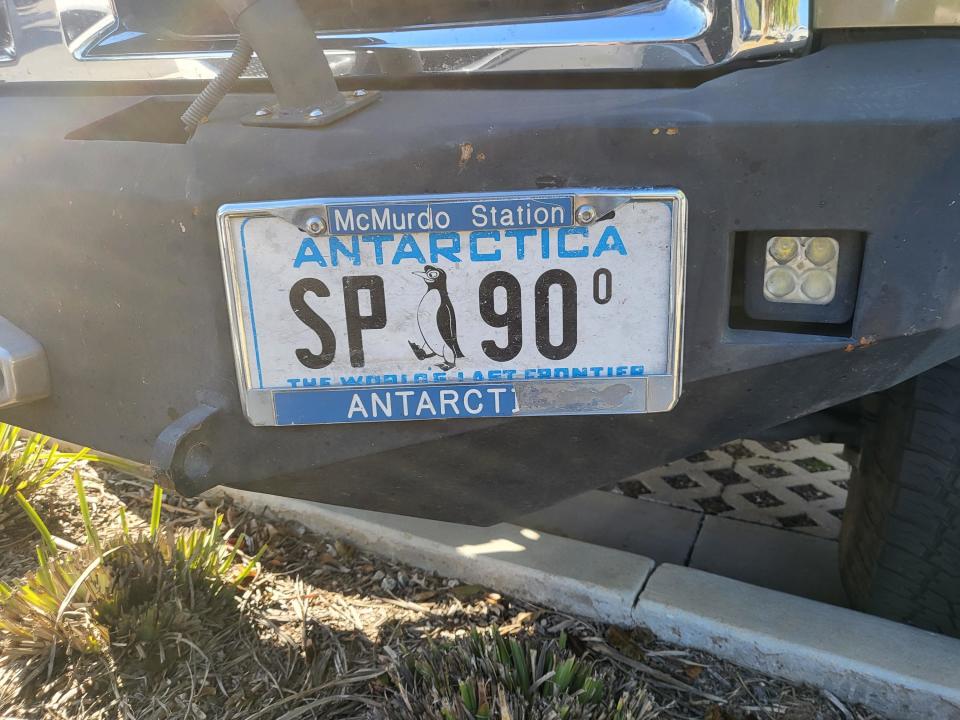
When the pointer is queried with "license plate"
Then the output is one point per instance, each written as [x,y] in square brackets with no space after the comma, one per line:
[548,302]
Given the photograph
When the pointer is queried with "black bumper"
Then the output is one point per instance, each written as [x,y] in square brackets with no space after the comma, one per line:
[109,257]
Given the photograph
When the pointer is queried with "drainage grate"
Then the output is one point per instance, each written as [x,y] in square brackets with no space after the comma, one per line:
[763,499]
[680,482]
[800,485]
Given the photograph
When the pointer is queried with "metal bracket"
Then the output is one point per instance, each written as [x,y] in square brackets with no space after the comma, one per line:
[24,374]
[316,116]
[307,94]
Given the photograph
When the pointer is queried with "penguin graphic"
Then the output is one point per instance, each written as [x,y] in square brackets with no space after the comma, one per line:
[437,321]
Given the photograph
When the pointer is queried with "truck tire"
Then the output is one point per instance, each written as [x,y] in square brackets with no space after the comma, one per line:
[900,541]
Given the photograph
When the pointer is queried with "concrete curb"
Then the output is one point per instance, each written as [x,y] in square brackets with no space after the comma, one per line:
[890,668]
[894,669]
[513,560]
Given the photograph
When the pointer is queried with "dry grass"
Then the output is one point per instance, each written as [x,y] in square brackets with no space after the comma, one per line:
[130,600]
[321,630]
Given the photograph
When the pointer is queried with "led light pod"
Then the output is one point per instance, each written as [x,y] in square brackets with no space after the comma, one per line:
[780,282]
[783,249]
[820,250]
[801,269]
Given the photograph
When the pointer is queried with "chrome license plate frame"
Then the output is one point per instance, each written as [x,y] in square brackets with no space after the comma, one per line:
[280,225]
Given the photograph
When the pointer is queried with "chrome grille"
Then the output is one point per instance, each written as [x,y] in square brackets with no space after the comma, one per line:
[110,40]
[7,48]
[489,36]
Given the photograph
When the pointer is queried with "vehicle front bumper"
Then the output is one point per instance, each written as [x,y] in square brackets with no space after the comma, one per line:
[109,257]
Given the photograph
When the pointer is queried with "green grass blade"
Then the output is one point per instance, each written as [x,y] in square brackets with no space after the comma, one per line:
[520,666]
[231,556]
[8,437]
[124,527]
[47,460]
[564,674]
[78,583]
[37,523]
[92,536]
[248,568]
[468,695]
[72,459]
[117,463]
[155,511]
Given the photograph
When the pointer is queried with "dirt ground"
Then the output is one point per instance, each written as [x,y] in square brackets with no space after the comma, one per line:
[323,623]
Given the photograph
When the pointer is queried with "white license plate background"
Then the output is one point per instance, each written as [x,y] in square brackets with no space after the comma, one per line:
[626,332]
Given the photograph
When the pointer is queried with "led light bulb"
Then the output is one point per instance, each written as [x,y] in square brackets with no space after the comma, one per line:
[817,285]
[821,250]
[780,282]
[782,249]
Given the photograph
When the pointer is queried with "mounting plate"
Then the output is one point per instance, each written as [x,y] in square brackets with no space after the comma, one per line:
[276,116]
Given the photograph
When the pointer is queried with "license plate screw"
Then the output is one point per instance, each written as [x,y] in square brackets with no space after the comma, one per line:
[316,225]
[586,214]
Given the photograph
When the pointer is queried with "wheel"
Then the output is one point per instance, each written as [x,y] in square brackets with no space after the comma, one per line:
[900,540]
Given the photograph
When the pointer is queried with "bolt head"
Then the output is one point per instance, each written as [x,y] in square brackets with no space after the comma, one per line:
[262,112]
[360,93]
[316,225]
[198,462]
[586,214]
[315,113]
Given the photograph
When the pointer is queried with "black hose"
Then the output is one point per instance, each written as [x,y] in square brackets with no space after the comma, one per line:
[217,88]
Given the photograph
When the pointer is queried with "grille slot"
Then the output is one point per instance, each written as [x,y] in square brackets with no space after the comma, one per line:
[193,19]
